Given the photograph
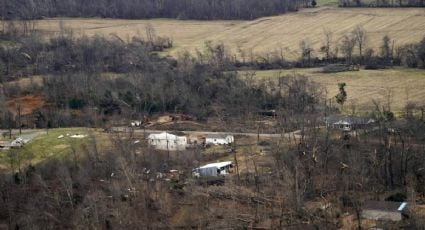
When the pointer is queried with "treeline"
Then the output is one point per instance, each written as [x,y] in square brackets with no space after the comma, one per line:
[86,81]
[381,3]
[140,9]
[352,49]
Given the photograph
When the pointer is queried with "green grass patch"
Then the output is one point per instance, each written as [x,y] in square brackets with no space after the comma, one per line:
[327,3]
[48,146]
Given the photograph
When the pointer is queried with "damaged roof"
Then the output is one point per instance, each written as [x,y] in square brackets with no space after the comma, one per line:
[343,119]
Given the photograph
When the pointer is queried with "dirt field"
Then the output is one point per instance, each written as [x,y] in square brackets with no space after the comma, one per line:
[403,85]
[265,34]
[28,104]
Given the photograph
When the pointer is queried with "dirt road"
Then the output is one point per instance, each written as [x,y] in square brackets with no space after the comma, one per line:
[295,134]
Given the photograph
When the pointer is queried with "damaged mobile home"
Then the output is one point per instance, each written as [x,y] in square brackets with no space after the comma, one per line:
[214,169]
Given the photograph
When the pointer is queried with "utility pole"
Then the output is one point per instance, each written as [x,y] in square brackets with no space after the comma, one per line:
[18,109]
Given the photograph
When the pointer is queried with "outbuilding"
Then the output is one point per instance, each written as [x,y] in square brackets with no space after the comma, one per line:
[167,141]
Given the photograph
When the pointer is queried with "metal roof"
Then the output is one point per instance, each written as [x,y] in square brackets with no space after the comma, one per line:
[217,136]
[217,165]
[343,119]
[165,136]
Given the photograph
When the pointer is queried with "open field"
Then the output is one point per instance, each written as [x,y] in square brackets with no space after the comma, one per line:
[263,35]
[48,145]
[403,85]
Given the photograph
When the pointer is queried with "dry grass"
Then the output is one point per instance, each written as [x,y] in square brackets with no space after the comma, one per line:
[265,34]
[403,85]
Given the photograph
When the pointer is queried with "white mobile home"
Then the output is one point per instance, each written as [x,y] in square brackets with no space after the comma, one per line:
[214,169]
[167,141]
[219,139]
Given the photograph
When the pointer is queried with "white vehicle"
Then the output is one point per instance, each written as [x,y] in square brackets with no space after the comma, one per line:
[17,143]
[136,123]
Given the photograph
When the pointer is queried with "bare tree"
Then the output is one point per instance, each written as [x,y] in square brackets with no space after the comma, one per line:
[347,46]
[360,37]
[306,52]
[326,47]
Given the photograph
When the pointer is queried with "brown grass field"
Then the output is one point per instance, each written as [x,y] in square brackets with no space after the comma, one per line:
[264,35]
[284,32]
[400,84]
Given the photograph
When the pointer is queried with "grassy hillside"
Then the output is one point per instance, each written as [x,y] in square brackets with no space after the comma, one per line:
[284,32]
[403,85]
[48,145]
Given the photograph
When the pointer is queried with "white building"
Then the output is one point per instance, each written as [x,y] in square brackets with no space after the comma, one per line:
[219,139]
[214,169]
[348,123]
[167,141]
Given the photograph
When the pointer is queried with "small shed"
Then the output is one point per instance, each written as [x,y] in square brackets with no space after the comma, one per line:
[219,139]
[167,141]
[214,169]
[383,210]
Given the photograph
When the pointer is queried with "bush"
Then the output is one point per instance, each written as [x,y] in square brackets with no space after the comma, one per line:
[76,103]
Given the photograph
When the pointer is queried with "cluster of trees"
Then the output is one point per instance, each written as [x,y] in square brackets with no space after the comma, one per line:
[139,9]
[111,77]
[350,49]
[354,49]
[28,54]
[107,77]
[381,3]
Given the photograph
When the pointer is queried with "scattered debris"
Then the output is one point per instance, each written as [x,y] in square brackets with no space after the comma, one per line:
[164,119]
[219,139]
[78,136]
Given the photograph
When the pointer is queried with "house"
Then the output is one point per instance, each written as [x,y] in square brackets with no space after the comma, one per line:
[214,169]
[383,210]
[219,139]
[167,141]
[348,123]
